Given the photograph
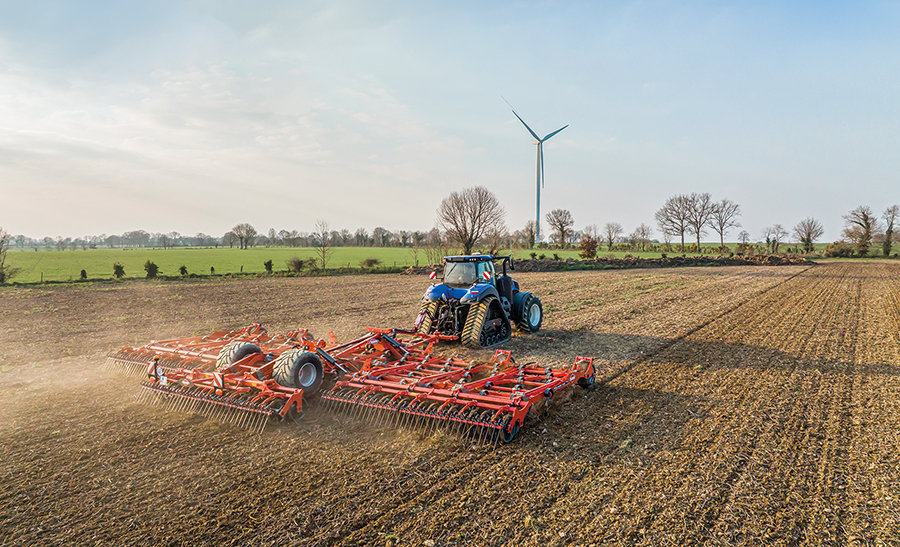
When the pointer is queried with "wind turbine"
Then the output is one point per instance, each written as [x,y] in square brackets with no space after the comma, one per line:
[540,173]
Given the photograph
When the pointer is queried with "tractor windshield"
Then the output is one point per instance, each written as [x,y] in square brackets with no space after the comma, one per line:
[459,274]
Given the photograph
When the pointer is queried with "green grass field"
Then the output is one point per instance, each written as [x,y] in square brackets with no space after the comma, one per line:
[35,266]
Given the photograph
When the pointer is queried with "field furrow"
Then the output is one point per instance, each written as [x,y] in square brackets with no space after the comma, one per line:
[745,406]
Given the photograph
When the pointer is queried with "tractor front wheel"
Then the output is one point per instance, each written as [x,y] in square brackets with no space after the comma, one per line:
[531,315]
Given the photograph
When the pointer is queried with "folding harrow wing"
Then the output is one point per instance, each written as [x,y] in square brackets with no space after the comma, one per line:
[488,402]
[243,377]
[388,376]
[207,352]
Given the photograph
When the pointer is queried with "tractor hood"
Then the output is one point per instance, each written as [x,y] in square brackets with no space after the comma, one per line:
[466,295]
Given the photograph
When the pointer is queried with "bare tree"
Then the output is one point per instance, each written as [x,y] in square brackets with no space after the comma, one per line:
[672,218]
[861,227]
[561,221]
[469,215]
[6,273]
[381,236]
[229,239]
[699,211]
[435,246]
[494,239]
[611,232]
[245,234]
[641,236]
[807,231]
[890,218]
[361,237]
[724,217]
[323,247]
[530,235]
[592,231]
[775,236]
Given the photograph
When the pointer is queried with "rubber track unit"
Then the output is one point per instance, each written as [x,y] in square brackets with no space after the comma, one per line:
[431,310]
[478,314]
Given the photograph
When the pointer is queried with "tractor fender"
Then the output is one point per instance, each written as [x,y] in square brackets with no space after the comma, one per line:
[436,292]
[479,292]
[441,291]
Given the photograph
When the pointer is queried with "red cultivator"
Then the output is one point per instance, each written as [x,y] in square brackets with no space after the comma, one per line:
[390,376]
[488,402]
[204,352]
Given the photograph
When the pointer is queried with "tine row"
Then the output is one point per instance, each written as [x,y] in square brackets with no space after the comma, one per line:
[234,411]
[127,363]
[384,410]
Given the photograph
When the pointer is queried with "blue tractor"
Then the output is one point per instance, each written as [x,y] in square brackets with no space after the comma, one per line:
[476,304]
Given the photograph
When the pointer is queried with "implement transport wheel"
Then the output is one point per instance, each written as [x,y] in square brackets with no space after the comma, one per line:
[588,382]
[430,311]
[300,370]
[486,325]
[234,352]
[507,436]
[532,314]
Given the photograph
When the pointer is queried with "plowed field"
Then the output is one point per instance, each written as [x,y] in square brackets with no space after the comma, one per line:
[751,405]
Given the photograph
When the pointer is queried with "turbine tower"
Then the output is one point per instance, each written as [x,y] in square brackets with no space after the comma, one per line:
[540,174]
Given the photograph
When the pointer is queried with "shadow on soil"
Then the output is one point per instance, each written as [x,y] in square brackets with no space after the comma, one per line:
[614,419]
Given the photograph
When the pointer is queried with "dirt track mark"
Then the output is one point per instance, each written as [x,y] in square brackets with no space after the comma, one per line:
[731,435]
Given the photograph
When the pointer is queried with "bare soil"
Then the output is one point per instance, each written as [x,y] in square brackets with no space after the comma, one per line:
[747,405]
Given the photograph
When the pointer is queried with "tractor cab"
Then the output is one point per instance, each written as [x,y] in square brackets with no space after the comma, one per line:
[464,271]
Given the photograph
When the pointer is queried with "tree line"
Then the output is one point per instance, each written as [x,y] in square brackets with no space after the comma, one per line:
[474,218]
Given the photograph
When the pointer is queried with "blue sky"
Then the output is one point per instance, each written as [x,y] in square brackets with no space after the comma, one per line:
[195,116]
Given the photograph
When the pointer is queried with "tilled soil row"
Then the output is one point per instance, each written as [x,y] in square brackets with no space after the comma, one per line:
[762,409]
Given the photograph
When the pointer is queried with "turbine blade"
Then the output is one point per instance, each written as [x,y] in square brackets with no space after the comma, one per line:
[551,134]
[533,134]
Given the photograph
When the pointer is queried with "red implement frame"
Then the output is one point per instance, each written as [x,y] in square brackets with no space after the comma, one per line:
[489,401]
[388,376]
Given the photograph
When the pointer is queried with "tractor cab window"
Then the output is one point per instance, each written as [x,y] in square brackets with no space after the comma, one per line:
[486,267]
[459,274]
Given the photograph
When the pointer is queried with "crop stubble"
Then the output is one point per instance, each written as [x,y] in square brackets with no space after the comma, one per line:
[745,405]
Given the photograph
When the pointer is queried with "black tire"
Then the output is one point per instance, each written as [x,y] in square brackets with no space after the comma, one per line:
[508,436]
[234,352]
[588,382]
[531,316]
[430,311]
[299,369]
[473,333]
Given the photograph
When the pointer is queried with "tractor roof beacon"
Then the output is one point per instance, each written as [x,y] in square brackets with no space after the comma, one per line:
[477,304]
